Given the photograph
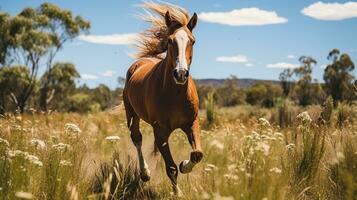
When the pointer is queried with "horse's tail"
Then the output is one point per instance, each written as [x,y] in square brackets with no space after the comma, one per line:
[129,111]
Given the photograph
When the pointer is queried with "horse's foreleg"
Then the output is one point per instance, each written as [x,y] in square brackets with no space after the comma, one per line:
[194,138]
[136,137]
[161,142]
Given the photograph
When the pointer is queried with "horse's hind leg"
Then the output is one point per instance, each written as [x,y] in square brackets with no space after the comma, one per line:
[136,137]
[193,135]
[161,142]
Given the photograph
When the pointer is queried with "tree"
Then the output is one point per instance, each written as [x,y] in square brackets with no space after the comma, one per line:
[338,76]
[62,26]
[34,36]
[303,90]
[230,94]
[285,81]
[62,84]
[13,82]
[264,94]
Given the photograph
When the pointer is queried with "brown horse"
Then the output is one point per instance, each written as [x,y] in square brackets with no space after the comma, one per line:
[160,91]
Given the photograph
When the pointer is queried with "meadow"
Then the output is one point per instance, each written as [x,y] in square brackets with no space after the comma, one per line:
[287,152]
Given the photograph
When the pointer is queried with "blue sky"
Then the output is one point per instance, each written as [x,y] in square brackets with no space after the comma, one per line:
[246,38]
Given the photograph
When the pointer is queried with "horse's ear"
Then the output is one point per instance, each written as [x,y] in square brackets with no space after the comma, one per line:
[193,22]
[168,19]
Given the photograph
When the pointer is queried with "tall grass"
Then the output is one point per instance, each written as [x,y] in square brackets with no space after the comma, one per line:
[70,156]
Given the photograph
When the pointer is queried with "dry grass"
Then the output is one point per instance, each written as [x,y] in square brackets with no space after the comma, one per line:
[70,156]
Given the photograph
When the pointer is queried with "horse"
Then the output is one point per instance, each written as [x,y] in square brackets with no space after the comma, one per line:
[160,90]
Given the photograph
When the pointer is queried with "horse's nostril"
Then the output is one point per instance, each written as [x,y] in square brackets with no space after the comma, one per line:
[175,73]
[187,73]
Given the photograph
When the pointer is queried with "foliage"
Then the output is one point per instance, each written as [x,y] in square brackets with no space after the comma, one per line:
[264,94]
[210,108]
[34,36]
[338,76]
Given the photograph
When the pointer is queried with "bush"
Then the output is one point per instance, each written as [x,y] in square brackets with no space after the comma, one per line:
[210,108]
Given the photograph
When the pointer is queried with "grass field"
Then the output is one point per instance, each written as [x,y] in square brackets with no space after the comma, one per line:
[246,156]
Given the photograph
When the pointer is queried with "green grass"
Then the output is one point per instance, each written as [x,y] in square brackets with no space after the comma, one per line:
[68,156]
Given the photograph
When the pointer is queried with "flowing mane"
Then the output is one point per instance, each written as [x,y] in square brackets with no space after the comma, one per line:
[153,41]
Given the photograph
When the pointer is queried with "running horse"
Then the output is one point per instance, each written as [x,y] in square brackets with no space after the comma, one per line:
[159,88]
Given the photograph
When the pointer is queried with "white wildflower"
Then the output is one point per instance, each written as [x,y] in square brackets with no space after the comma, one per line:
[23,195]
[72,128]
[275,170]
[4,142]
[113,138]
[61,146]
[263,147]
[264,122]
[39,144]
[34,160]
[65,163]
[340,156]
[217,196]
[290,146]
[304,117]
[217,144]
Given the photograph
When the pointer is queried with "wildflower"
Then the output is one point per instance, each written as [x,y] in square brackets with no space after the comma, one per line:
[61,146]
[34,160]
[26,156]
[112,138]
[23,195]
[264,122]
[290,146]
[275,170]
[210,167]
[340,156]
[217,144]
[217,196]
[304,117]
[39,144]
[263,147]
[4,142]
[72,128]
[65,163]
[232,177]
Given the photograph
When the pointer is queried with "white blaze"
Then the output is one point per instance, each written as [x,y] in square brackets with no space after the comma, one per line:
[182,40]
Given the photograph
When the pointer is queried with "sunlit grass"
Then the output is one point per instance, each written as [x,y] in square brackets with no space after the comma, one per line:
[246,156]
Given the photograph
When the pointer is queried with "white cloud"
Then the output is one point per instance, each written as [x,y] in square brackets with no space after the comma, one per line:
[233,59]
[108,73]
[243,17]
[331,11]
[114,39]
[249,65]
[282,65]
[290,56]
[89,77]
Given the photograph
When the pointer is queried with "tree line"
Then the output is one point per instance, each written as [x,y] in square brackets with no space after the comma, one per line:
[296,84]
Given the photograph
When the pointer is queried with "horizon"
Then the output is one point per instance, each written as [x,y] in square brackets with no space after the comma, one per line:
[252,39]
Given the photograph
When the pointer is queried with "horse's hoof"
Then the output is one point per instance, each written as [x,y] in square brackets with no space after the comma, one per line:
[145,175]
[196,156]
[183,169]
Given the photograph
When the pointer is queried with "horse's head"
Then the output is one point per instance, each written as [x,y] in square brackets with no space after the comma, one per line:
[180,46]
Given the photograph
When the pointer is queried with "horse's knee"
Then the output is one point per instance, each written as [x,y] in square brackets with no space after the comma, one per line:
[196,156]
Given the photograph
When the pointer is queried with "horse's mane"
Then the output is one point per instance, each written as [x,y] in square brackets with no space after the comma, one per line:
[153,41]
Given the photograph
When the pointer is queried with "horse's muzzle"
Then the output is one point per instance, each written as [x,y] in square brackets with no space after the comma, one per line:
[181,76]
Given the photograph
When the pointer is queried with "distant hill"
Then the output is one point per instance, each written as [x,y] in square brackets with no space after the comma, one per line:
[242,83]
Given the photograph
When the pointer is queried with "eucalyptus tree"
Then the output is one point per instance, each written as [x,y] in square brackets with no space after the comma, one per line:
[32,38]
[338,76]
